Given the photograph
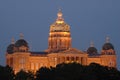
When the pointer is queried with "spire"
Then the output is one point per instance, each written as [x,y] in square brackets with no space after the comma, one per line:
[91,44]
[12,41]
[21,36]
[107,39]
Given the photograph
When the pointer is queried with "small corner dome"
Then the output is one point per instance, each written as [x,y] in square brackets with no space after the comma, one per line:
[21,42]
[107,46]
[92,50]
[10,48]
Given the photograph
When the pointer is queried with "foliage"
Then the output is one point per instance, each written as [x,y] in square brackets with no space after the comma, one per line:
[22,75]
[6,73]
[75,71]
[70,71]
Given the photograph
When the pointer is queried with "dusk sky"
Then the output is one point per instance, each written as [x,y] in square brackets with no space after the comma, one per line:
[90,20]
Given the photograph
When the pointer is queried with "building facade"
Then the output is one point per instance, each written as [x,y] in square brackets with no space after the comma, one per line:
[60,50]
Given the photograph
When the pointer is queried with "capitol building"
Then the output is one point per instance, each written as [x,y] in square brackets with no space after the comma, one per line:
[60,50]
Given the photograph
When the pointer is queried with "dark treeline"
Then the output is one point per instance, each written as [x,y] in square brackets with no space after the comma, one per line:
[71,71]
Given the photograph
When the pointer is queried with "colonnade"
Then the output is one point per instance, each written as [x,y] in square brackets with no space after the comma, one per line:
[71,59]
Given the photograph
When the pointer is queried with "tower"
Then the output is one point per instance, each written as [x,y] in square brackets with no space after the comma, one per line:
[108,48]
[108,54]
[59,36]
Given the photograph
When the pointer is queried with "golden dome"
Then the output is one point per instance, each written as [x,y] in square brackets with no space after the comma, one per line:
[59,24]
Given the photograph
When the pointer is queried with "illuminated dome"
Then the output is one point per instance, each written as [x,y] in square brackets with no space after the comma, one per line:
[59,24]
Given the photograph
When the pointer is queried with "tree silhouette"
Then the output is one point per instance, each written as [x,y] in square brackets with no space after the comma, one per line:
[44,73]
[64,71]
[22,75]
[6,73]
[75,71]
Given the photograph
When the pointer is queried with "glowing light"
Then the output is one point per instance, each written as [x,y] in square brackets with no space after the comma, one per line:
[59,22]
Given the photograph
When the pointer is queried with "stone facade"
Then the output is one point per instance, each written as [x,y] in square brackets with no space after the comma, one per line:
[18,55]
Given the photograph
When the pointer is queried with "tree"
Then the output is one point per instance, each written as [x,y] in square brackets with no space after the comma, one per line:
[6,73]
[76,71]
[22,75]
[44,73]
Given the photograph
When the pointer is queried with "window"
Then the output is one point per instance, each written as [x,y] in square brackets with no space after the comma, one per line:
[22,62]
[37,66]
[32,66]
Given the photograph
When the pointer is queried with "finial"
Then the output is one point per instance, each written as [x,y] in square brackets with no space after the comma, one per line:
[107,39]
[59,17]
[21,36]
[12,41]
[91,44]
[60,10]
[59,14]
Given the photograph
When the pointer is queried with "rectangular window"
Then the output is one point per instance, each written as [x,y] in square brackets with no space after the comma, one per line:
[32,66]
[37,66]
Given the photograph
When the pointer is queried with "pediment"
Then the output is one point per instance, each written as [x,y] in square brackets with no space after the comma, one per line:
[73,51]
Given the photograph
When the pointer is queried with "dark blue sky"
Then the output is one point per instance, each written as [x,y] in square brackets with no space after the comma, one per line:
[90,20]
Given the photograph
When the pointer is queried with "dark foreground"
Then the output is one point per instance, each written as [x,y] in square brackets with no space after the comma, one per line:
[71,71]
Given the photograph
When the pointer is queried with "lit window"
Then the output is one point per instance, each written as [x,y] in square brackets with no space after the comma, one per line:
[32,66]
[37,66]
[41,65]
[22,62]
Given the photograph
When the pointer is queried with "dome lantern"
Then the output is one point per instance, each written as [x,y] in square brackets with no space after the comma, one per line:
[12,41]
[59,19]
[91,44]
[21,36]
[107,39]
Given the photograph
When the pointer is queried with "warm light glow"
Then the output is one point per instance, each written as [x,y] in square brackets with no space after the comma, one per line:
[65,32]
[59,22]
[59,41]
